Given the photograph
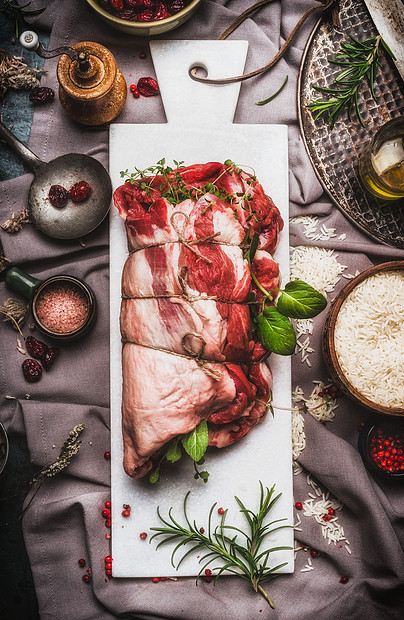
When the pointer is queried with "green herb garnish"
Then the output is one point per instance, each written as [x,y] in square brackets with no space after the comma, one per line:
[276,93]
[297,300]
[244,557]
[359,60]
[194,443]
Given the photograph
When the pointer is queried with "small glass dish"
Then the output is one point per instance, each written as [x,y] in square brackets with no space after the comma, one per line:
[377,439]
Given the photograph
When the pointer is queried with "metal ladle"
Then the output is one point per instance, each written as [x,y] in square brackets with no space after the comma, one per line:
[72,221]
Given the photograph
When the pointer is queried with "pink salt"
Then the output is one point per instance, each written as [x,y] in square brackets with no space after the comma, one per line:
[62,308]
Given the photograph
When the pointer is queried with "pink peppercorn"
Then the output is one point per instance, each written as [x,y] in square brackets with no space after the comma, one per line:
[220,511]
[143,535]
[299,506]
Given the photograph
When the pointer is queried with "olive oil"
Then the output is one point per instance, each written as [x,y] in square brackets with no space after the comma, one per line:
[381,165]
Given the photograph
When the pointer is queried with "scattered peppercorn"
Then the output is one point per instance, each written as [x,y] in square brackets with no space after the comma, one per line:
[143,535]
[220,511]
[107,522]
[299,506]
[313,553]
[107,455]
[155,579]
[344,579]
[81,562]
[106,513]
[107,504]
[86,578]
[126,513]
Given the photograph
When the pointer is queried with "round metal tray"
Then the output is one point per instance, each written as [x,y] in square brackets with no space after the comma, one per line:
[334,153]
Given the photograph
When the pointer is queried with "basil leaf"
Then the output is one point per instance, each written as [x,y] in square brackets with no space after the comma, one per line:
[275,331]
[154,476]
[174,452]
[196,441]
[299,300]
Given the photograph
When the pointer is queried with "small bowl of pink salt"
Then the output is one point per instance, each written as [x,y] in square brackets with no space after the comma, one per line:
[64,307]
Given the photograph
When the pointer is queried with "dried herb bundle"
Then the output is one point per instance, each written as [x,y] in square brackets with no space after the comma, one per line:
[15,223]
[15,311]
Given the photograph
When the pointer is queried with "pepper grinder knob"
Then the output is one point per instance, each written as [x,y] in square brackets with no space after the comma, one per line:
[29,40]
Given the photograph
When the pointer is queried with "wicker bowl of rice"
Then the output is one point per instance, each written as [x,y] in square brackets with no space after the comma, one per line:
[363,339]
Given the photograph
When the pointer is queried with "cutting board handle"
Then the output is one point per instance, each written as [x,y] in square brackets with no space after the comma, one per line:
[187,102]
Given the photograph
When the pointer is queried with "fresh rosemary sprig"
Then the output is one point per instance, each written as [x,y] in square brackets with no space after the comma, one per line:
[276,93]
[245,559]
[359,61]
[15,12]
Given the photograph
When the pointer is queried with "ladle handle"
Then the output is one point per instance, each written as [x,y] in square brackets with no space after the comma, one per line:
[22,282]
[28,157]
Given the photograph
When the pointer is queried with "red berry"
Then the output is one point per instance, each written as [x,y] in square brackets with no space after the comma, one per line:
[148,87]
[107,455]
[35,348]
[175,6]
[208,578]
[108,559]
[145,16]
[142,55]
[136,94]
[126,513]
[132,87]
[331,511]
[143,535]
[326,517]
[32,370]
[82,562]
[344,579]
[107,504]
[117,5]
[220,511]
[313,553]
[299,506]
[156,579]
[58,196]
[108,571]
[49,357]
[107,522]
[86,578]
[106,513]
[208,572]
[80,191]
[42,94]
[162,12]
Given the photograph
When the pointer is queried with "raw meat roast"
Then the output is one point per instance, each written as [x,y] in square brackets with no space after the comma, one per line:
[189,352]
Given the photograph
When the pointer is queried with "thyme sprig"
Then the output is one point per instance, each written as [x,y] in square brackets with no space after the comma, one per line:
[245,559]
[70,447]
[359,61]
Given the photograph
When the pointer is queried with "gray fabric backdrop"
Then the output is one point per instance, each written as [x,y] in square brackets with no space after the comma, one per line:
[64,522]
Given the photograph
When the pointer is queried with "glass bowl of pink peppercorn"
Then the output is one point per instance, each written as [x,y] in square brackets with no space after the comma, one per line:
[148,18]
[381,446]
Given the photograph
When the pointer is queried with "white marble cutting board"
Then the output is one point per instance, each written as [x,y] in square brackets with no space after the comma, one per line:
[199,129]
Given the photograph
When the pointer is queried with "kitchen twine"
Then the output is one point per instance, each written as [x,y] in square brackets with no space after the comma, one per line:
[196,355]
[326,5]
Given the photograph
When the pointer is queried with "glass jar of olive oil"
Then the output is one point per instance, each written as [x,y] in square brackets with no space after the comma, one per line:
[381,165]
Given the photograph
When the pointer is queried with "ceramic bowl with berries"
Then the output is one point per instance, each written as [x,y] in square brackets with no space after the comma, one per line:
[144,17]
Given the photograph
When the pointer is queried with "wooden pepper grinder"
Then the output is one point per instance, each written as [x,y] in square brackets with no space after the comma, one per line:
[92,90]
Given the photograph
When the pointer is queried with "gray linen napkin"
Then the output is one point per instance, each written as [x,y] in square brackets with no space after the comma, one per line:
[64,522]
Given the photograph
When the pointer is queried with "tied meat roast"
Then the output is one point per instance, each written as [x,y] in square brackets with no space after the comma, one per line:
[189,352]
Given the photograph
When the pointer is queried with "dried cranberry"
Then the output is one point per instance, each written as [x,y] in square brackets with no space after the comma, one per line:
[32,370]
[117,5]
[128,14]
[147,86]
[175,6]
[42,94]
[80,191]
[58,196]
[49,357]
[145,16]
[35,348]
[134,3]
[161,13]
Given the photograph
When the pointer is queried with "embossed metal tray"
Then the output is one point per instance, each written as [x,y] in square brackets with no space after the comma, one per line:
[334,153]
